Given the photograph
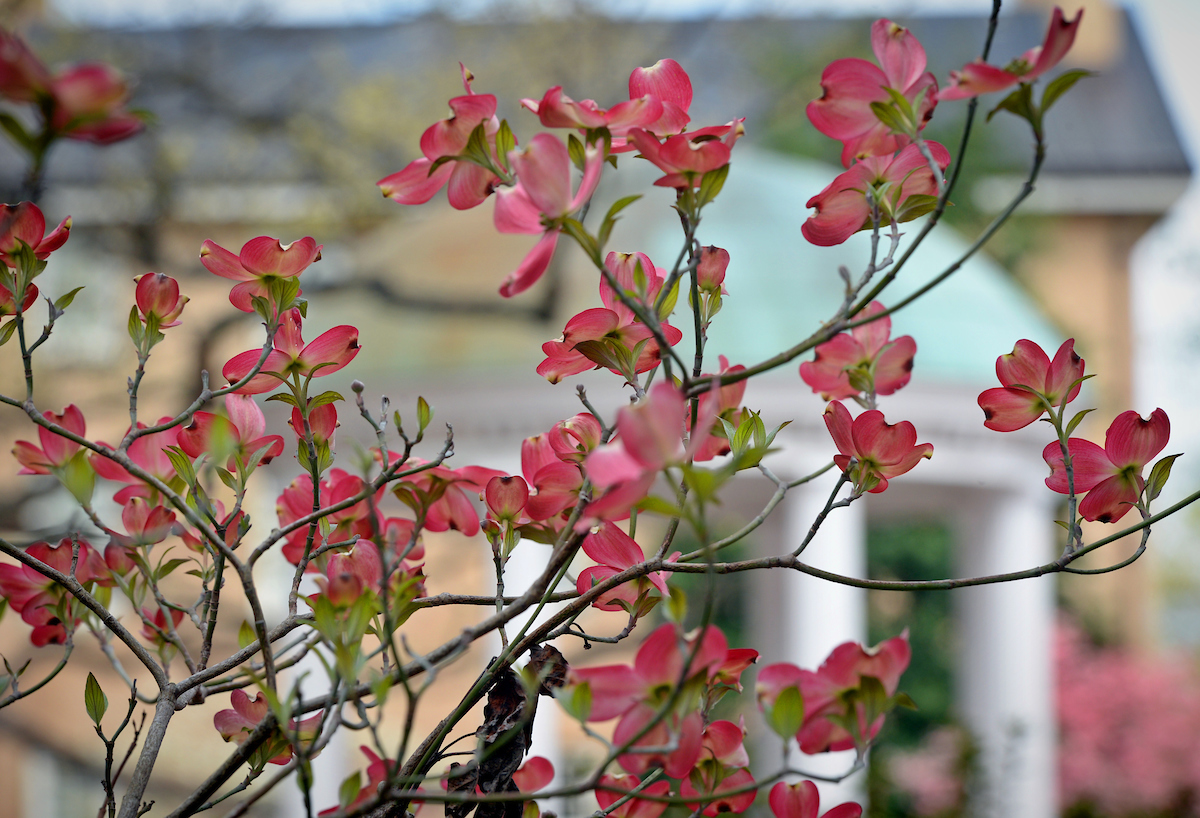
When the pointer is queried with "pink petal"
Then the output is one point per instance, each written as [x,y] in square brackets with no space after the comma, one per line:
[1006,410]
[532,267]
[470,185]
[615,689]
[1027,365]
[544,168]
[246,416]
[893,368]
[219,261]
[612,464]
[1089,465]
[1134,441]
[848,87]
[590,325]
[1059,39]
[840,425]
[919,452]
[449,136]
[880,441]
[638,112]
[1110,500]
[535,773]
[842,211]
[516,212]
[240,365]
[665,80]
[974,79]
[1065,369]
[330,351]
[796,801]
[874,335]
[414,184]
[611,546]
[265,256]
[899,53]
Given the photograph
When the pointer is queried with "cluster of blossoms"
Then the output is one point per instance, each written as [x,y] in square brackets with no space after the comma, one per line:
[85,102]
[1111,477]
[356,540]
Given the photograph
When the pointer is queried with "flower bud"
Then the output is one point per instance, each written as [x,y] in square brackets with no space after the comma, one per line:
[710,273]
[158,295]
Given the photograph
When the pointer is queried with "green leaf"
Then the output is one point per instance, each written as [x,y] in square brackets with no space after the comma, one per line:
[349,789]
[285,397]
[711,184]
[610,218]
[246,635]
[78,477]
[787,714]
[6,332]
[182,464]
[136,333]
[676,604]
[505,141]
[902,105]
[323,399]
[424,415]
[668,302]
[1060,85]
[168,567]
[1075,421]
[64,301]
[576,700]
[94,700]
[1159,476]
[17,132]
[1019,102]
[577,152]
[657,505]
[889,116]
[228,479]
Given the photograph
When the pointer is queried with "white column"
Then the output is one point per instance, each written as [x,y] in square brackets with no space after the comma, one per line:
[1005,632]
[818,615]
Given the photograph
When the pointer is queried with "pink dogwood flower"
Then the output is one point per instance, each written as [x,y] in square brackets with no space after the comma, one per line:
[56,451]
[23,77]
[38,599]
[1112,476]
[1031,383]
[865,359]
[724,402]
[615,551]
[901,186]
[24,223]
[557,110]
[158,295]
[90,104]
[237,437]
[723,767]
[802,800]
[154,625]
[324,355]
[685,158]
[144,524]
[238,723]
[536,773]
[322,421]
[539,202]
[667,82]
[148,452]
[823,691]
[469,184]
[872,451]
[979,77]
[850,85]
[615,325]
[261,262]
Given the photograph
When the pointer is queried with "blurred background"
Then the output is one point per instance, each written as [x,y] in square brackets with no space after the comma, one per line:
[1077,696]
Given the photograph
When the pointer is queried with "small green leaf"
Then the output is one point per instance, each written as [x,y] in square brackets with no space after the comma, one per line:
[1019,102]
[78,477]
[1075,421]
[64,301]
[787,714]
[349,789]
[889,116]
[424,416]
[1159,476]
[168,567]
[6,332]
[577,152]
[285,397]
[94,700]
[576,700]
[324,398]
[1060,85]
[17,132]
[505,141]
[657,505]
[711,184]
[676,604]
[574,229]
[182,464]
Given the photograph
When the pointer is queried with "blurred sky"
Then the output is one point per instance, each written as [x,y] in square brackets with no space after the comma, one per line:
[325,12]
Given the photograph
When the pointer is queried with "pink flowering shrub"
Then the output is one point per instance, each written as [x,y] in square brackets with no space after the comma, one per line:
[666,440]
